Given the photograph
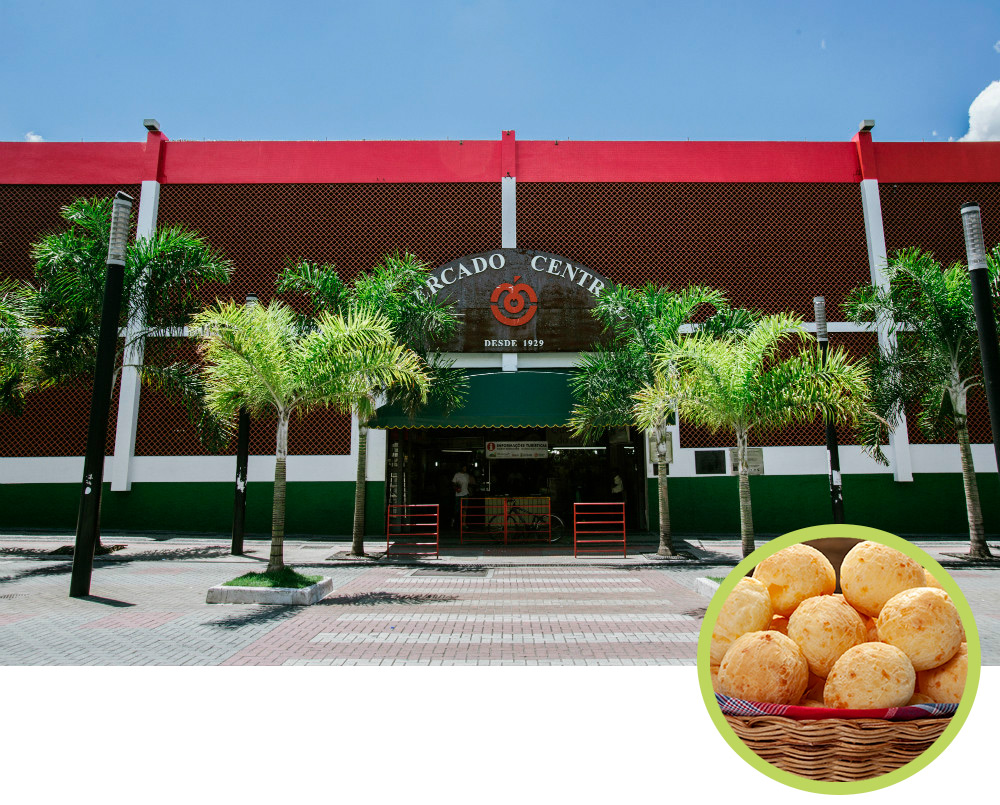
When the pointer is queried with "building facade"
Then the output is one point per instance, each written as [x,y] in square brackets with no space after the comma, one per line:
[772,224]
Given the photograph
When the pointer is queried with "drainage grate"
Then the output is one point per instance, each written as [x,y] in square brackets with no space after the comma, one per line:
[480,572]
[14,595]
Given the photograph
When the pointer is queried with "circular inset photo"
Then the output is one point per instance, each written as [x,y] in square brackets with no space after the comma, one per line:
[838,659]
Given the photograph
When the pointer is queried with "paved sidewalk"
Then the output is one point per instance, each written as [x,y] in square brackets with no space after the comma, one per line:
[148,607]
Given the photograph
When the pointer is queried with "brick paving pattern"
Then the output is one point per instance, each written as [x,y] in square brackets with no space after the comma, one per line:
[149,608]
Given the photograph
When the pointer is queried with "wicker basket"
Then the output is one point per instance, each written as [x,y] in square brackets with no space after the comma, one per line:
[837,749]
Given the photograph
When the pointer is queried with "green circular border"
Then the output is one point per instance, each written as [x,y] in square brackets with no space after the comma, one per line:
[825,532]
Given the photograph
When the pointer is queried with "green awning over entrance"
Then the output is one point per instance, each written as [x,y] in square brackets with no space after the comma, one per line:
[525,399]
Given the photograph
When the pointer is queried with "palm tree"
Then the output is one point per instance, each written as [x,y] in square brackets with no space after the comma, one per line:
[740,382]
[18,347]
[935,359]
[164,274]
[263,359]
[418,322]
[641,323]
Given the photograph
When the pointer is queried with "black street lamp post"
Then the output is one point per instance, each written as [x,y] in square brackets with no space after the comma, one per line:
[88,523]
[982,302]
[832,448]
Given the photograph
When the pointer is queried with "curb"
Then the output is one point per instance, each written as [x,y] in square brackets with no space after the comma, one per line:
[706,587]
[270,595]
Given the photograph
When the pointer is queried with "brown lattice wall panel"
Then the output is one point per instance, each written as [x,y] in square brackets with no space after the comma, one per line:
[29,212]
[927,216]
[261,227]
[164,428]
[857,346]
[978,421]
[769,246]
[54,423]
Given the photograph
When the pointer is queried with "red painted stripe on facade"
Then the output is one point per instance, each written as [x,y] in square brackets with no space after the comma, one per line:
[938,162]
[686,162]
[347,162]
[483,161]
[508,155]
[866,154]
[155,143]
[71,163]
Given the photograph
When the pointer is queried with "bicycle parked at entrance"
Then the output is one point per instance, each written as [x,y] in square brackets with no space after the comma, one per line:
[510,519]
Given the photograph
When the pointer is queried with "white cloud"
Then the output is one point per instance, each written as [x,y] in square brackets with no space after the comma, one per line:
[31,137]
[984,116]
[996,46]
[822,44]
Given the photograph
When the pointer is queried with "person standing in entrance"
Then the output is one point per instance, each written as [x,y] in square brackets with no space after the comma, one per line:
[461,481]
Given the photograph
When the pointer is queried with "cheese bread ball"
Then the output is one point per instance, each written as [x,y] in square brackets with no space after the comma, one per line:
[747,609]
[779,623]
[924,624]
[714,671]
[764,667]
[920,698]
[946,683]
[873,573]
[871,630]
[930,581]
[811,703]
[794,574]
[870,676]
[824,627]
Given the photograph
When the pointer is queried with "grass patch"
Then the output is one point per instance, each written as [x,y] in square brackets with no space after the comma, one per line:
[286,577]
[717,579]
[100,550]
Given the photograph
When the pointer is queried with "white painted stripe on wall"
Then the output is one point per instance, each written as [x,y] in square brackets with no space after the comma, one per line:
[195,469]
[853,460]
[927,458]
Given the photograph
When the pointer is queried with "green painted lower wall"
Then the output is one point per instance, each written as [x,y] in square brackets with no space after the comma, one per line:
[932,504]
[322,508]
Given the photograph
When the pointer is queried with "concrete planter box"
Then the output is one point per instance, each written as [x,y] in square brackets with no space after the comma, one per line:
[270,595]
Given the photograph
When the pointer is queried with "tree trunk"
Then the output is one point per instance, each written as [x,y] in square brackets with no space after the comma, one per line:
[361,481]
[746,512]
[978,548]
[666,538]
[277,559]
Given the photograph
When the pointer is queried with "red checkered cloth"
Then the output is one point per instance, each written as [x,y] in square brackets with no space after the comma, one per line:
[739,707]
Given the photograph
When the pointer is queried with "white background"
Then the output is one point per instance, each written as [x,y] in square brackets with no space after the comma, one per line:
[405,735]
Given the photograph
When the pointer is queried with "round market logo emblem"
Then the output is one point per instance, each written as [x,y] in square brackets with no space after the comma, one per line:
[519,301]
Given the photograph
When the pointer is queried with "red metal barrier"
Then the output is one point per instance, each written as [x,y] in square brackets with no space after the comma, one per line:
[416,529]
[528,520]
[506,519]
[598,524]
[482,519]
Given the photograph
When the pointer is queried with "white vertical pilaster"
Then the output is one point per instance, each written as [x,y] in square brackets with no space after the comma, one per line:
[128,397]
[878,260]
[508,239]
[508,212]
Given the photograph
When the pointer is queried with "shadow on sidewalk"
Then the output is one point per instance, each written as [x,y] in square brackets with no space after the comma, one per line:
[382,599]
[65,566]
[259,616]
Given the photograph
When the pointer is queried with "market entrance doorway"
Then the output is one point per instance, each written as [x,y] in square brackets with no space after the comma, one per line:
[519,464]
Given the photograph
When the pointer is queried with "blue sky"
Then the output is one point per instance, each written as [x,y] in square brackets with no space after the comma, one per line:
[468,69]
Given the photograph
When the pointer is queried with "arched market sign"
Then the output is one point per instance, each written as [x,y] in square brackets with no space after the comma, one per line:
[517,300]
